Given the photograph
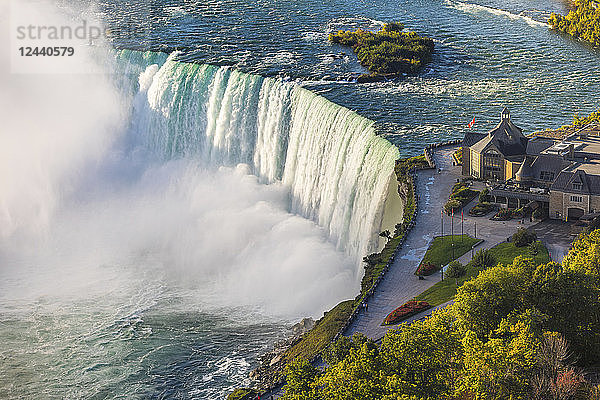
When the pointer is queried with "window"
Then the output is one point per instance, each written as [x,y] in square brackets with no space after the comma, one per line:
[547,176]
[492,165]
[576,199]
[577,185]
[475,164]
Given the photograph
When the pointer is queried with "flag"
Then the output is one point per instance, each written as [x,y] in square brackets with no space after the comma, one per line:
[471,123]
[461,215]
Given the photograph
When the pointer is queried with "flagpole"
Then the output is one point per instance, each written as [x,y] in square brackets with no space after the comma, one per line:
[452,233]
[462,220]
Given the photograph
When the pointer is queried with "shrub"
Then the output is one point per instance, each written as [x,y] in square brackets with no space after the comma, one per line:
[480,209]
[452,205]
[523,237]
[373,258]
[458,186]
[539,214]
[533,249]
[483,260]
[461,195]
[405,311]
[243,394]
[483,195]
[456,270]
[426,269]
[503,215]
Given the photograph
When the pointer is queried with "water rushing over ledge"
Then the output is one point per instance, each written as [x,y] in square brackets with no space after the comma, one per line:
[338,170]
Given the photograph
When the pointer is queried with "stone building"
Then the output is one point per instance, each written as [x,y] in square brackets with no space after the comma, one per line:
[496,155]
[562,176]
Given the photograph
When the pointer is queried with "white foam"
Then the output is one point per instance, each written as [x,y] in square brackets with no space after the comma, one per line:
[476,8]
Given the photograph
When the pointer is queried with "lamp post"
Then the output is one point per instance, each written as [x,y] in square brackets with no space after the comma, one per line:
[452,233]
[442,217]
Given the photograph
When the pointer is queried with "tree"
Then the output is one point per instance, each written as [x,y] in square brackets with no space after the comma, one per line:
[499,368]
[483,260]
[456,270]
[452,206]
[373,258]
[300,380]
[482,303]
[385,234]
[340,349]
[556,377]
[571,300]
[533,249]
[483,195]
[421,358]
[393,27]
[358,376]
[584,256]
[523,237]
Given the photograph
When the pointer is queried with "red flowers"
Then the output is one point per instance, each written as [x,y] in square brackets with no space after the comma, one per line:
[409,309]
[426,268]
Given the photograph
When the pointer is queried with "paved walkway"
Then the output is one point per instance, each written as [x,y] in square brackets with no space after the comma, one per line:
[400,284]
[557,236]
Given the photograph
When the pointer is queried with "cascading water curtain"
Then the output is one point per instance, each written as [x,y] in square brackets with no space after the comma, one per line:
[337,169]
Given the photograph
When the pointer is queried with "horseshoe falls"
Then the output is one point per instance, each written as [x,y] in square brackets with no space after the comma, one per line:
[337,170]
[175,220]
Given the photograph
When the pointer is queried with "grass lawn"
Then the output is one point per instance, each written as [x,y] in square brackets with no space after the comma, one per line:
[440,250]
[322,334]
[372,272]
[242,394]
[504,253]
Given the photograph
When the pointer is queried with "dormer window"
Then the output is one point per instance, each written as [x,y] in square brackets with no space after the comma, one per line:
[546,176]
[577,185]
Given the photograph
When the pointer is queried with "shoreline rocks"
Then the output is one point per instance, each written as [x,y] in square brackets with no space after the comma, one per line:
[270,371]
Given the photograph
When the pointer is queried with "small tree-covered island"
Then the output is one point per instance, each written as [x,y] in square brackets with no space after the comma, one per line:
[387,53]
[583,22]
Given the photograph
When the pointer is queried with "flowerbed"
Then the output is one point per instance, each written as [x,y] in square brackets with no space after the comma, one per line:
[461,196]
[405,311]
[503,215]
[481,209]
[426,269]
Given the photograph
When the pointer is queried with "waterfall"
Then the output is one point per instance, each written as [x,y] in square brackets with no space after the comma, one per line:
[337,169]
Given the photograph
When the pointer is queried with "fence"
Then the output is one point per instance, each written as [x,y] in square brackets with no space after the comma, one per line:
[428,150]
[413,183]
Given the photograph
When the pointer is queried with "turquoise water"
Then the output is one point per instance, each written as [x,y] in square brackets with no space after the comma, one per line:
[135,292]
[489,54]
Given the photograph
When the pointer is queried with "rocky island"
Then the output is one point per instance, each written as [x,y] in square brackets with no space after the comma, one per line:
[387,53]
